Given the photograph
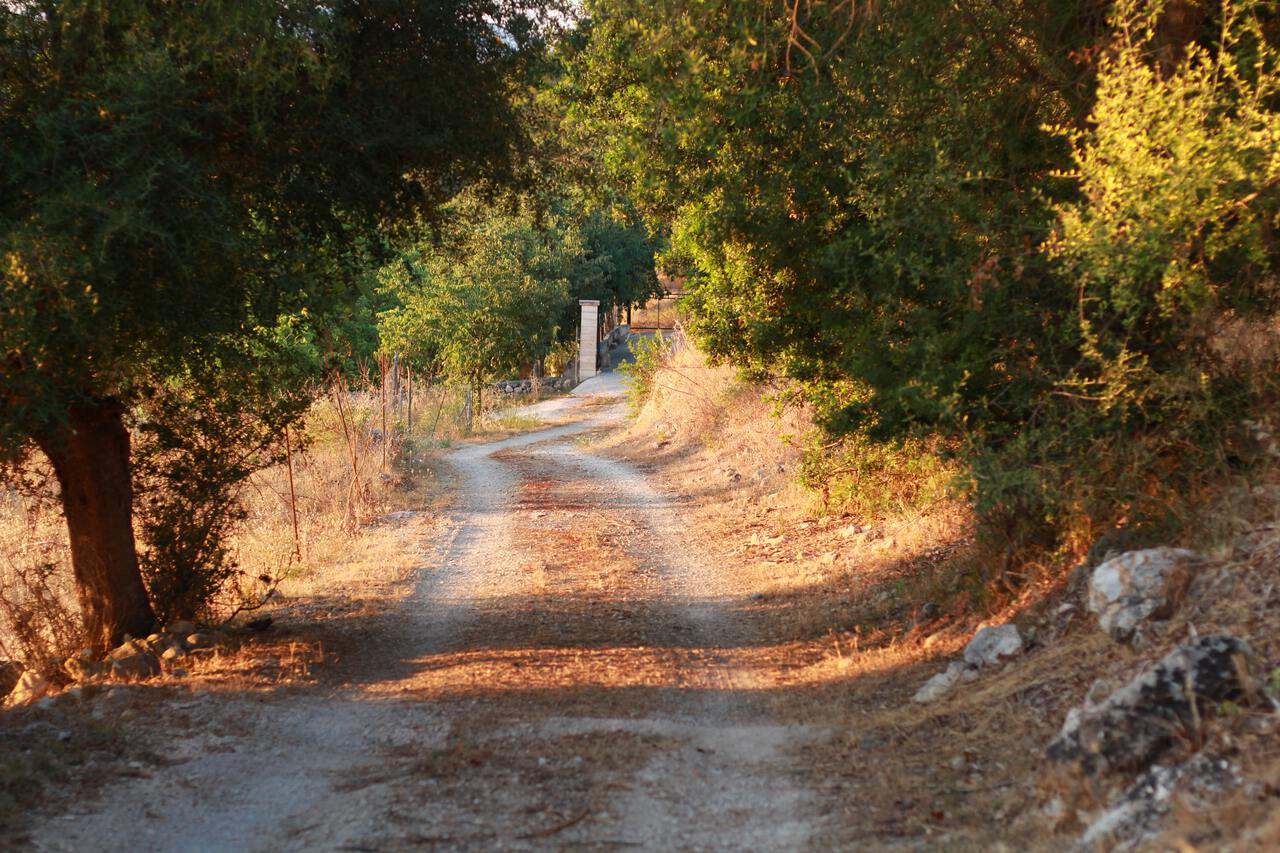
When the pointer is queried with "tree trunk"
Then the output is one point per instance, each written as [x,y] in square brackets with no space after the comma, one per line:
[91,460]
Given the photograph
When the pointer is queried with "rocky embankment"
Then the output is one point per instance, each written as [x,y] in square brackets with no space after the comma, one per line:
[1131,750]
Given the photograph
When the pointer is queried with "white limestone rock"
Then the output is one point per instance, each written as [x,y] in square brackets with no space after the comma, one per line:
[993,645]
[1137,586]
[941,684]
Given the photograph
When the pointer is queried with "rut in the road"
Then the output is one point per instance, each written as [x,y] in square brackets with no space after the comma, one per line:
[565,674]
[725,778]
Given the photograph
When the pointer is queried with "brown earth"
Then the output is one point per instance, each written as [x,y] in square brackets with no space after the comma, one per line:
[562,669]
[606,642]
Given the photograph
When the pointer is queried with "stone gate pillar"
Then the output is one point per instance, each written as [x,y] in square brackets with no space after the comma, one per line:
[588,337]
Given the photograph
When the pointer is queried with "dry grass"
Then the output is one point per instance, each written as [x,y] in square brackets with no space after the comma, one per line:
[353,565]
[39,615]
[834,606]
[860,611]
[656,314]
[736,459]
[332,514]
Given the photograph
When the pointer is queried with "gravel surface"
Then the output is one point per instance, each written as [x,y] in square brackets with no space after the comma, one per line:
[561,677]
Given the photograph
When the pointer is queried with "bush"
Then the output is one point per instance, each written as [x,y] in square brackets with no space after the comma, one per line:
[1059,262]
[196,445]
[651,353]
[1171,252]
[189,504]
[875,479]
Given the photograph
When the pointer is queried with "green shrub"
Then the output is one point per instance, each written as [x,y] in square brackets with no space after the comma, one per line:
[651,353]
[1171,252]
[875,478]
[1058,261]
[196,444]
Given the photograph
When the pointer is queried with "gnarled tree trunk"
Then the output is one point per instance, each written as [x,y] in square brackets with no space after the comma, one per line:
[91,460]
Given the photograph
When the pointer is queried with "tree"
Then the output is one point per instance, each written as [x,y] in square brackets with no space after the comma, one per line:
[488,304]
[176,179]
[566,188]
[881,202]
[616,265]
[832,209]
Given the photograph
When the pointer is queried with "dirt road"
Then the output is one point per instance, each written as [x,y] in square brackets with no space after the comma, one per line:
[562,676]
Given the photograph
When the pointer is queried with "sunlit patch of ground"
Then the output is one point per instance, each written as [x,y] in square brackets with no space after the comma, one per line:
[584,621]
[571,690]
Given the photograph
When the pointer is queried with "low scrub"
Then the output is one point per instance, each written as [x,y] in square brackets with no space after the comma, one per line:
[652,353]
[213,542]
[874,479]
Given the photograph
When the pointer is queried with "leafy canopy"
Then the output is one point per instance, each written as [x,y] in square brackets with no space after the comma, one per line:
[177,180]
[485,306]
[1017,227]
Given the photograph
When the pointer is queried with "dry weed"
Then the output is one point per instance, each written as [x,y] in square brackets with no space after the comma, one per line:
[39,619]
[346,469]
[862,610]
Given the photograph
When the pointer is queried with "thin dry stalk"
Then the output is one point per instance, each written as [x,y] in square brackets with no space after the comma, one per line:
[439,409]
[293,495]
[39,616]
[353,493]
[408,376]
[382,365]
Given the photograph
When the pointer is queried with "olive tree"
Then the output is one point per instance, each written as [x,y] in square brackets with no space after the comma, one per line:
[178,178]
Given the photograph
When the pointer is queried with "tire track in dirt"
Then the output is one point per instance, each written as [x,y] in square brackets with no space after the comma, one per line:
[728,780]
[294,771]
[562,676]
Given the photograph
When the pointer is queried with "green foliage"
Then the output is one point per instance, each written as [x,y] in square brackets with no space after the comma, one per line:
[198,441]
[179,182]
[616,264]
[1171,254]
[173,179]
[566,190]
[1172,239]
[875,479]
[651,353]
[496,289]
[1039,235]
[484,306]
[836,225]
[561,356]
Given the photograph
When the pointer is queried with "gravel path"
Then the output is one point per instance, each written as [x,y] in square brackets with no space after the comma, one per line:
[562,677]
